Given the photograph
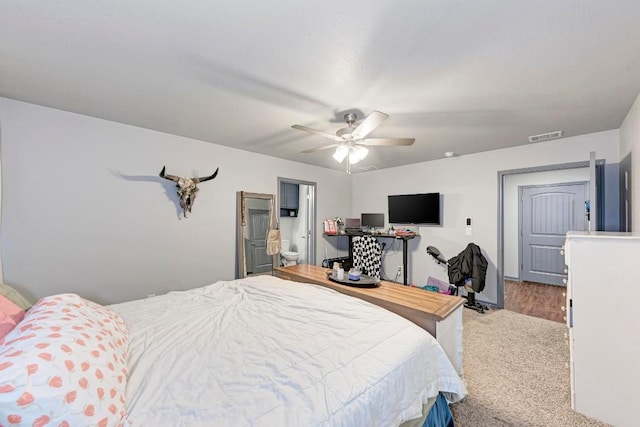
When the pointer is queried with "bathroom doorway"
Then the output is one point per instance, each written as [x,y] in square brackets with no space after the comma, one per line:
[297,218]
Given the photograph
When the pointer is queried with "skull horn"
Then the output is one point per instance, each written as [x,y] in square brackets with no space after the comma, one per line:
[205,178]
[169,177]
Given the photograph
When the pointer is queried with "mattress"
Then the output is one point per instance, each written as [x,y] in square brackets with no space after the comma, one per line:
[262,351]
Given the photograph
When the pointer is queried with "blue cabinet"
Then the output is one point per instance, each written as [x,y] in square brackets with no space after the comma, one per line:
[289,199]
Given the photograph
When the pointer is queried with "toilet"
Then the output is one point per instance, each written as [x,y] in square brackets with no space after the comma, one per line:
[288,257]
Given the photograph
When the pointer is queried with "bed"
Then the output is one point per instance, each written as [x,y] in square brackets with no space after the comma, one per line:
[259,351]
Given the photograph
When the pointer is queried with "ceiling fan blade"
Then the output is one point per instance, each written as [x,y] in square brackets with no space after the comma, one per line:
[311,150]
[372,121]
[319,132]
[387,141]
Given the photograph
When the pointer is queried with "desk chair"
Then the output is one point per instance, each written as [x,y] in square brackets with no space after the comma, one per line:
[468,269]
[367,255]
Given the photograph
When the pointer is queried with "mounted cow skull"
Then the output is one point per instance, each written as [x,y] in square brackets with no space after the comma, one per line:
[187,189]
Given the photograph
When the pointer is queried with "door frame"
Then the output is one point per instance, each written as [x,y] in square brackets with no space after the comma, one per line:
[521,189]
[312,214]
[501,179]
[626,188]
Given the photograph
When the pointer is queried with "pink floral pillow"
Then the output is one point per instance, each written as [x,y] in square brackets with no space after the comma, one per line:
[10,316]
[65,364]
[6,325]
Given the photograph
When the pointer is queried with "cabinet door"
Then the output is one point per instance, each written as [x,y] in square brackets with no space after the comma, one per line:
[283,195]
[289,194]
[294,196]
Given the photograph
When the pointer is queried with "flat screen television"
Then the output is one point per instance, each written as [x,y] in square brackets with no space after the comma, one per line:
[372,220]
[414,208]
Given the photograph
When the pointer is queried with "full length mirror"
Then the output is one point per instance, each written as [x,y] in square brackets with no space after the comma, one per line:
[254,218]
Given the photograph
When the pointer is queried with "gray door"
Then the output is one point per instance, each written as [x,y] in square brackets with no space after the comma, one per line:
[546,214]
[258,260]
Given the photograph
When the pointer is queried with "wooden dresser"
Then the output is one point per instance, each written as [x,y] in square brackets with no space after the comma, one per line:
[603,315]
[438,314]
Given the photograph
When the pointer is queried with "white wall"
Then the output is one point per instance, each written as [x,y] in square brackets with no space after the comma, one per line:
[84,211]
[469,185]
[83,208]
[630,143]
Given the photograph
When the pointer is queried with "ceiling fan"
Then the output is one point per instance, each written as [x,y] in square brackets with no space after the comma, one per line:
[351,140]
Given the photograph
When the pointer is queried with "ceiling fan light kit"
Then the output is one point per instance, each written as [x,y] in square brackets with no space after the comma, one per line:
[341,153]
[352,139]
[354,153]
[357,153]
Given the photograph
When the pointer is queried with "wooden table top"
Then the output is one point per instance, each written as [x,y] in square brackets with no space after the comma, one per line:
[393,296]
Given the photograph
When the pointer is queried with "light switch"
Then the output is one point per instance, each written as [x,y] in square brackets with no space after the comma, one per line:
[468,227]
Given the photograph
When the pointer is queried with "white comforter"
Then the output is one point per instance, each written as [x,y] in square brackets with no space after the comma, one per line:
[267,352]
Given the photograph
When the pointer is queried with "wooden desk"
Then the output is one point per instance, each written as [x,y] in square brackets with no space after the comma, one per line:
[438,314]
[405,239]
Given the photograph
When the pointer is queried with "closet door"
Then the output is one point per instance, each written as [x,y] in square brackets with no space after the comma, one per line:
[547,214]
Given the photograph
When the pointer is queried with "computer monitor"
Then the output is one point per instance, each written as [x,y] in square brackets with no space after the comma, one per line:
[372,220]
[352,223]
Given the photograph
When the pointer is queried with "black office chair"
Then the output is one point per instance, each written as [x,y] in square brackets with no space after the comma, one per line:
[468,269]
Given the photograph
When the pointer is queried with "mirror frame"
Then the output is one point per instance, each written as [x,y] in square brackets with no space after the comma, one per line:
[241,196]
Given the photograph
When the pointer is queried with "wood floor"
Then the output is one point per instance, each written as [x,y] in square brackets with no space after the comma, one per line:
[535,299]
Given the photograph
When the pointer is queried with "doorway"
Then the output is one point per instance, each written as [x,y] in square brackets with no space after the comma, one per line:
[508,262]
[297,217]
[547,213]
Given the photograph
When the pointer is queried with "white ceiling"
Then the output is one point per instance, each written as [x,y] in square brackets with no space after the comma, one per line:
[461,76]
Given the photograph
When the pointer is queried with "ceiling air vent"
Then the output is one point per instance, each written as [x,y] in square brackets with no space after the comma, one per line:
[546,136]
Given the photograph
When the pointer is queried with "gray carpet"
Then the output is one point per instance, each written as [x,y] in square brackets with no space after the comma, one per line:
[516,371]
